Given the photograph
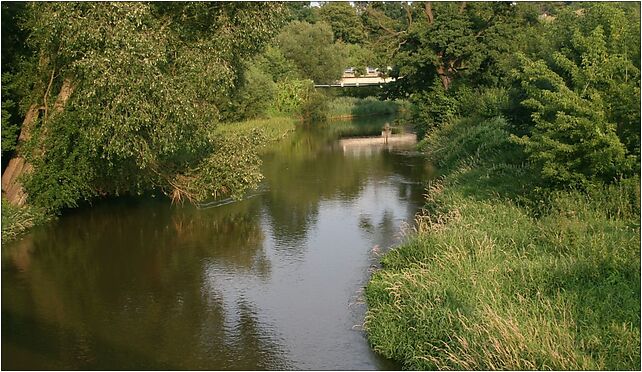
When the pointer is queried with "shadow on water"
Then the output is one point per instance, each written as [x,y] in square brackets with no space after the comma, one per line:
[121,287]
[264,283]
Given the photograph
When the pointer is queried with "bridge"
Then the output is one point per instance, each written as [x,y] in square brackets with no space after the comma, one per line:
[349,79]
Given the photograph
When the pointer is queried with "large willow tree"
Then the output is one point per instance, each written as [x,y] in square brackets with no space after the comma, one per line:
[124,98]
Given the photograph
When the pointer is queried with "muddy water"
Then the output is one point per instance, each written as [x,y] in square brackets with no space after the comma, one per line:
[270,282]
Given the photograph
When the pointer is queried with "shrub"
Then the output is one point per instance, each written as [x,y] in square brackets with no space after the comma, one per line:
[314,108]
[253,98]
[432,108]
[290,95]
[572,143]
[482,103]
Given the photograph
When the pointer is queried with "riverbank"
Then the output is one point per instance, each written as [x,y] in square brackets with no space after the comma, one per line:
[500,275]
[351,107]
[18,220]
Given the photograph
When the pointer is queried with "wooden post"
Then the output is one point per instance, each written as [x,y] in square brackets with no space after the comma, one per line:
[386,132]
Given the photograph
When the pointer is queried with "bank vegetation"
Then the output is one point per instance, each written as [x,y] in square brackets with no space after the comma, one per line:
[527,252]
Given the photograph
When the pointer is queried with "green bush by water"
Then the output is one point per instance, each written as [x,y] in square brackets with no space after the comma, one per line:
[489,281]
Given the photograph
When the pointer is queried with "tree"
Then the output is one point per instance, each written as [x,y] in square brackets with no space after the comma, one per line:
[13,54]
[126,97]
[277,65]
[445,40]
[584,96]
[359,57]
[382,22]
[344,20]
[300,11]
[312,49]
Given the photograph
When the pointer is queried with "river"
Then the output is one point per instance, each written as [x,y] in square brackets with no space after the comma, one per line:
[270,282]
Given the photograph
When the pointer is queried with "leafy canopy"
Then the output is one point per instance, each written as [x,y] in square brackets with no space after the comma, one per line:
[150,81]
[584,99]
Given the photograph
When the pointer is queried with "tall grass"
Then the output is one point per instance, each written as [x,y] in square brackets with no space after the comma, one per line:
[343,107]
[18,220]
[272,129]
[484,283]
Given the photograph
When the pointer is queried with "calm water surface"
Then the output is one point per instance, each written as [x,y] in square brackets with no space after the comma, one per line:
[270,282]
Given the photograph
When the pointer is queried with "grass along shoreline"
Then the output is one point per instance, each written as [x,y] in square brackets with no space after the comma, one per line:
[493,280]
[18,220]
[352,107]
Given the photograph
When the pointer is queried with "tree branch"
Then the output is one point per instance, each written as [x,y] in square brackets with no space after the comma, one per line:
[428,11]
[376,15]
[47,91]
[408,14]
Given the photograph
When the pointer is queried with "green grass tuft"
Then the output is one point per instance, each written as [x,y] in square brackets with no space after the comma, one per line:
[18,220]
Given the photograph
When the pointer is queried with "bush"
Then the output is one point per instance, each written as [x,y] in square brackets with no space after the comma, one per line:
[314,108]
[571,142]
[253,98]
[432,108]
[458,141]
[482,103]
[290,95]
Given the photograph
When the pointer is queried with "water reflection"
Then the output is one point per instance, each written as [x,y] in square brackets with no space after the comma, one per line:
[265,283]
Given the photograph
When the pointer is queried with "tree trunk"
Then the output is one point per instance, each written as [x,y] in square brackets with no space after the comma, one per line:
[445,78]
[11,185]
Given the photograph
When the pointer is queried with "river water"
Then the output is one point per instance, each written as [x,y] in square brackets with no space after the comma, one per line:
[271,282]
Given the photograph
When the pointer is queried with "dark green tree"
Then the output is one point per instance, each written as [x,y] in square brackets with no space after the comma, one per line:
[452,40]
[14,52]
[300,11]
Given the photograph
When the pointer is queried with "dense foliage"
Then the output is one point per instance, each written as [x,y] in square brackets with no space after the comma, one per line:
[585,98]
[526,255]
[571,96]
[312,49]
[146,85]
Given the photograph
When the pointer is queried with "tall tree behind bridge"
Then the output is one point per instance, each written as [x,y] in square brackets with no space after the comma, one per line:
[448,40]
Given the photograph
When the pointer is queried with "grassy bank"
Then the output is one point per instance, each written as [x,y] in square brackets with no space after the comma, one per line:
[270,129]
[499,276]
[349,107]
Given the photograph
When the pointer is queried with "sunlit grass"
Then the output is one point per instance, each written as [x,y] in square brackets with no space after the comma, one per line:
[17,220]
[485,283]
[273,128]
